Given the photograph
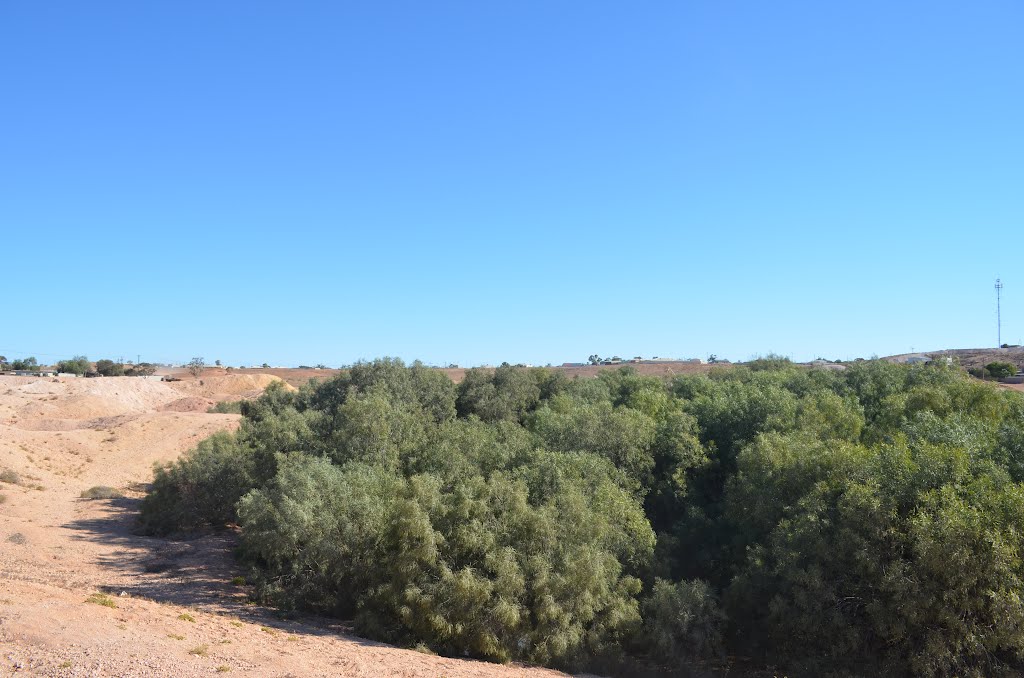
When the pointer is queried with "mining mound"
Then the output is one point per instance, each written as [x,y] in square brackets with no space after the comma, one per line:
[188,404]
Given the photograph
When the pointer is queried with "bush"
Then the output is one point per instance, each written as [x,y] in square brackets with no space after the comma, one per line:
[10,476]
[141,370]
[101,599]
[506,393]
[200,489]
[683,621]
[1001,370]
[226,407]
[101,492]
[418,562]
[196,366]
[850,523]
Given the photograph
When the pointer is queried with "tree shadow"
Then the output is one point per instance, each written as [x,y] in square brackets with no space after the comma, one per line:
[195,571]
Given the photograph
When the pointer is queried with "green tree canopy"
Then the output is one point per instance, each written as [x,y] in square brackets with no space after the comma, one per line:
[77,365]
[860,522]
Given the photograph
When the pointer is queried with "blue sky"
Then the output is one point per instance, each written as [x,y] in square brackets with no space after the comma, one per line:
[533,181]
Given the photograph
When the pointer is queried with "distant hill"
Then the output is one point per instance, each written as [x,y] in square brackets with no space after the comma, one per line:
[970,357]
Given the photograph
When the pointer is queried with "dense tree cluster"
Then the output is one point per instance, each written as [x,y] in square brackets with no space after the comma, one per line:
[869,521]
[77,365]
[29,363]
[111,368]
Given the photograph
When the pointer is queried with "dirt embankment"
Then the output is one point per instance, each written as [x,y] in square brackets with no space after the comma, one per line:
[156,607]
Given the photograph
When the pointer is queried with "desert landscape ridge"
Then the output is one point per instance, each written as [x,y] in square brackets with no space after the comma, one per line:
[82,595]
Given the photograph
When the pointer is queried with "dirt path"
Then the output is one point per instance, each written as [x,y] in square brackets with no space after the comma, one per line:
[171,607]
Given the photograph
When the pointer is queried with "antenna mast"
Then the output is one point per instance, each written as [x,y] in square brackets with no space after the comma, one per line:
[999,317]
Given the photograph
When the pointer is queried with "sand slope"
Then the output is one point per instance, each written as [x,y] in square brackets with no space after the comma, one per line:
[64,436]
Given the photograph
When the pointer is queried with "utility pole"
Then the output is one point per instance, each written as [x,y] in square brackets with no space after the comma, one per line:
[999,317]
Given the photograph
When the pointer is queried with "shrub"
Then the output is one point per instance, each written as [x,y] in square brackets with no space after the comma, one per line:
[101,492]
[200,489]
[226,407]
[1000,370]
[850,523]
[417,562]
[196,367]
[140,370]
[506,393]
[101,599]
[683,621]
[10,476]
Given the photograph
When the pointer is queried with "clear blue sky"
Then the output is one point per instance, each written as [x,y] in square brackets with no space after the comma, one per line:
[474,182]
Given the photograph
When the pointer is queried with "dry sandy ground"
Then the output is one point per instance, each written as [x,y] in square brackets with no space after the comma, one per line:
[177,612]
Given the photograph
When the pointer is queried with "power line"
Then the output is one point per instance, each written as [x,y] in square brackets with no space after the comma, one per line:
[999,316]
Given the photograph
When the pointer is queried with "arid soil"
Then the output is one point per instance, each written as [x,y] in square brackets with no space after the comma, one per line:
[165,607]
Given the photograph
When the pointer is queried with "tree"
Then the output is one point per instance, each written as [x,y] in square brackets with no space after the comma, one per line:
[196,366]
[77,365]
[594,359]
[829,523]
[217,363]
[141,370]
[108,368]
[25,364]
